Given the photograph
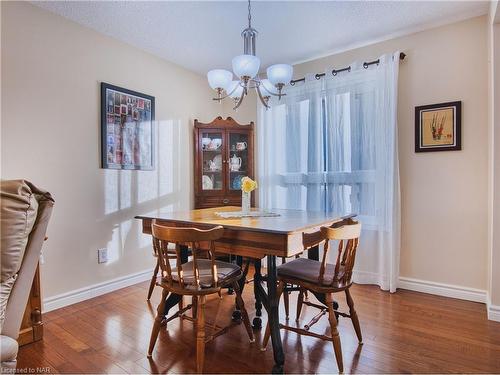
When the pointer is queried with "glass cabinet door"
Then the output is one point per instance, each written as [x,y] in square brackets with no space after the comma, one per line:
[212,160]
[238,159]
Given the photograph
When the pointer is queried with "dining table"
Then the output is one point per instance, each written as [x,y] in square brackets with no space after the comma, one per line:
[258,234]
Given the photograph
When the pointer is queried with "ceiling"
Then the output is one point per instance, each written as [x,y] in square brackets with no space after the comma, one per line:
[202,35]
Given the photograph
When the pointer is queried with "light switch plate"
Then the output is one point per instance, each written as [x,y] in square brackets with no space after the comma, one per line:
[102,255]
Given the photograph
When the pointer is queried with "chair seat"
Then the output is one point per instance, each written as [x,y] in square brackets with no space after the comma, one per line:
[308,270]
[225,271]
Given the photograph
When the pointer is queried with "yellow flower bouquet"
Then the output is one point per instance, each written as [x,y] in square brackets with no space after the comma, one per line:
[248,185]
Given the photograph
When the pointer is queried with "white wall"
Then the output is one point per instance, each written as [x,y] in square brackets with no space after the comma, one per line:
[51,71]
[494,196]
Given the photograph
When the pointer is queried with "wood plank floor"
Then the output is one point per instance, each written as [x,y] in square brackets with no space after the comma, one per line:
[405,332]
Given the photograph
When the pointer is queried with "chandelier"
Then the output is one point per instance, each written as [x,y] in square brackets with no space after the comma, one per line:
[246,69]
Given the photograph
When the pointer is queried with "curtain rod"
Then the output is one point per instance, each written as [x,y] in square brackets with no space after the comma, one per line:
[402,56]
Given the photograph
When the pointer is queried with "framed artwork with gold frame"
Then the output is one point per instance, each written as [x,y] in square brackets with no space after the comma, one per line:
[438,127]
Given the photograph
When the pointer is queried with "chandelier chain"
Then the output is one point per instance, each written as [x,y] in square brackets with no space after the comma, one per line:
[246,68]
[249,15]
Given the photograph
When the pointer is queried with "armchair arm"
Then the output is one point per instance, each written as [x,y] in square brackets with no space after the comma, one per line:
[22,287]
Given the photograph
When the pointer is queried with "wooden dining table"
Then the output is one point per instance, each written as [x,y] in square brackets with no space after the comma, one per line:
[277,235]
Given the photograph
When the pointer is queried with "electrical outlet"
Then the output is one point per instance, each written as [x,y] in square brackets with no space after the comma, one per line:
[102,255]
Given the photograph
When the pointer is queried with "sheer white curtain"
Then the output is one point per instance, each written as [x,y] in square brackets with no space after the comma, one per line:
[331,145]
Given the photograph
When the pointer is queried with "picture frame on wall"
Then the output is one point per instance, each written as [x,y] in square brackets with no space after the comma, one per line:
[127,129]
[438,127]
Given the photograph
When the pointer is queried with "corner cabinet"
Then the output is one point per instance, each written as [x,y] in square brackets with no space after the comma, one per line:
[224,154]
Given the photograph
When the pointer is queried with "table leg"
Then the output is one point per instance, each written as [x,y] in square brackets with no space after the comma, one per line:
[237,313]
[174,299]
[230,290]
[273,315]
[257,278]
[239,262]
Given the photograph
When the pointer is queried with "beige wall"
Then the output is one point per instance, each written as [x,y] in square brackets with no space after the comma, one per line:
[444,195]
[491,143]
[51,71]
[494,271]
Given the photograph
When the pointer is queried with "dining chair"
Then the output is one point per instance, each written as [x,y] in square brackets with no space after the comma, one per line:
[197,278]
[323,280]
[288,289]
[152,283]
[154,278]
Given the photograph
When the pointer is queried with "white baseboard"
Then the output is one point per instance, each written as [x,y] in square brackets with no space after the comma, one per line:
[493,312]
[79,295]
[445,290]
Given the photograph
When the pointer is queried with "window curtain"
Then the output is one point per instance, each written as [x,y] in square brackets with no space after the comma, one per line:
[331,145]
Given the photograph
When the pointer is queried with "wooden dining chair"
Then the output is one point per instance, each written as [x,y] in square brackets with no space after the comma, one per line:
[323,280]
[288,289]
[156,270]
[152,283]
[197,278]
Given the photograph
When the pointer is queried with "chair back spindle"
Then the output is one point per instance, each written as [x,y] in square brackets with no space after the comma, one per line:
[348,237]
[347,232]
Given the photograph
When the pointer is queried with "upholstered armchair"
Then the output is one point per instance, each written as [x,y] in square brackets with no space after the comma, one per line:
[25,214]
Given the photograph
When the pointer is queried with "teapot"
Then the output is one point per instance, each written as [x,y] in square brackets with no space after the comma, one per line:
[212,165]
[235,163]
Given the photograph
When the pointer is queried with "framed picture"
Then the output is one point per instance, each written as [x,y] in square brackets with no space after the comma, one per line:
[127,133]
[438,127]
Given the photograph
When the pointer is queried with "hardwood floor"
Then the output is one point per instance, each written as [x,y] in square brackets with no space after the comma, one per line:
[406,332]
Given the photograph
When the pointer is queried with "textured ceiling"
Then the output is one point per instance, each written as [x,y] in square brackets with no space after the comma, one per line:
[204,35]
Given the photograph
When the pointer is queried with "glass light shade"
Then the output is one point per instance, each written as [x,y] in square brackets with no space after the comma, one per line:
[246,66]
[238,89]
[280,74]
[219,78]
[268,86]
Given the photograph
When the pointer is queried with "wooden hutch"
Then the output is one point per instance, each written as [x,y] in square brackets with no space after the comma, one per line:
[224,154]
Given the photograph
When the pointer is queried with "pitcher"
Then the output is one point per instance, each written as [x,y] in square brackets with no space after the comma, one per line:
[235,163]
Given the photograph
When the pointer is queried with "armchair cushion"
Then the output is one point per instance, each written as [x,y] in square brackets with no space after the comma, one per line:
[18,214]
[9,349]
[5,289]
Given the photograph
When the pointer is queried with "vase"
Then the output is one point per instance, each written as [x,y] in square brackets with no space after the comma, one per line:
[245,202]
